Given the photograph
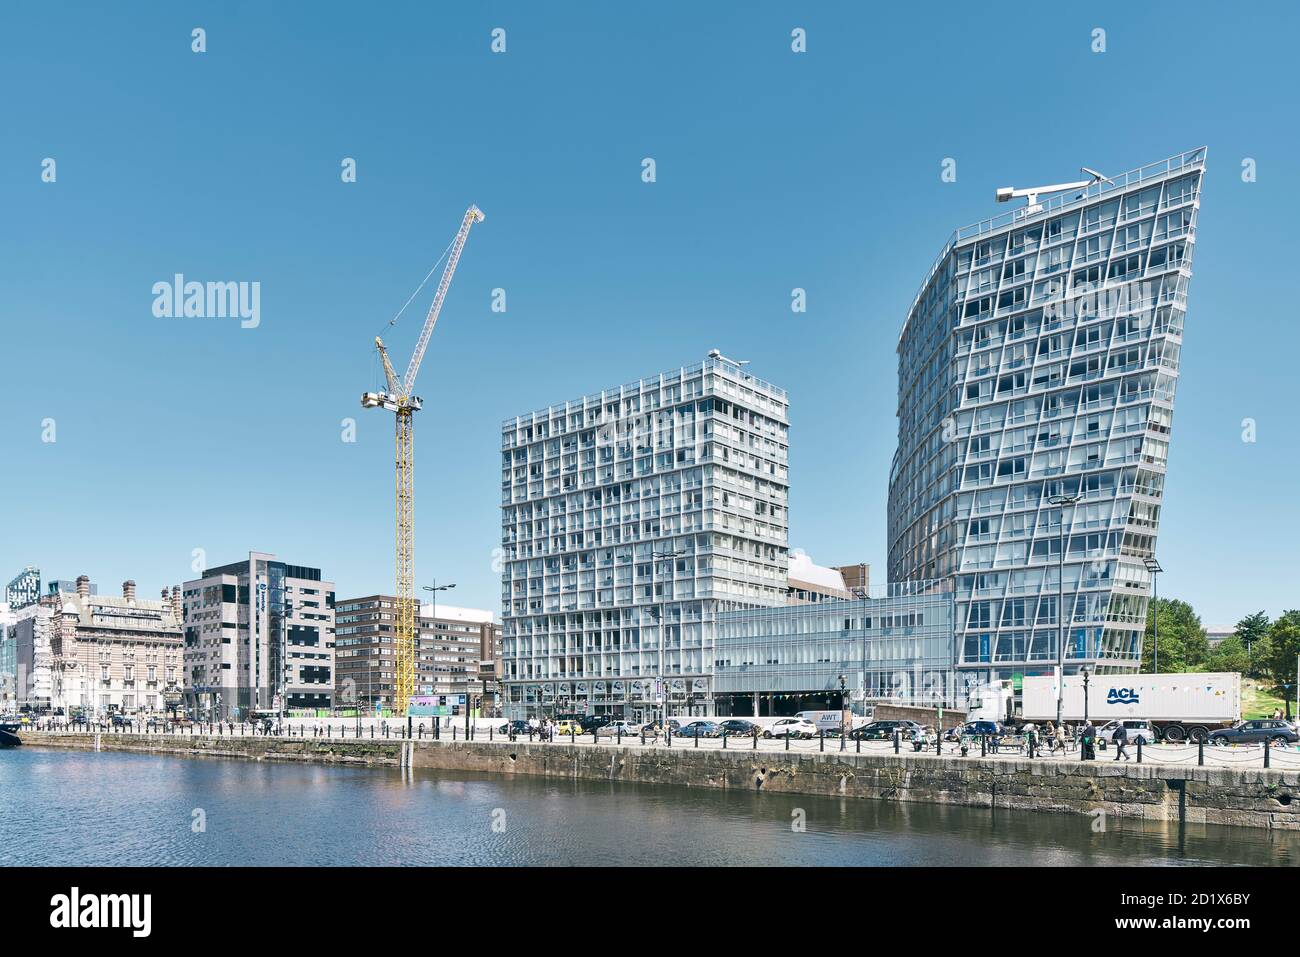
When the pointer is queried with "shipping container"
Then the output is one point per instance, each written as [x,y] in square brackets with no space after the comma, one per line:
[1181,706]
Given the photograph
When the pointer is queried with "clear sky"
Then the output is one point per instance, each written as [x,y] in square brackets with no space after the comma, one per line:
[775,170]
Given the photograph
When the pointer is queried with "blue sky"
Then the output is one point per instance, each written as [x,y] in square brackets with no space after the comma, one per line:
[775,170]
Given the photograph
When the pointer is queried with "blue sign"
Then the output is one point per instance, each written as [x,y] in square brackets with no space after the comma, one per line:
[1122,696]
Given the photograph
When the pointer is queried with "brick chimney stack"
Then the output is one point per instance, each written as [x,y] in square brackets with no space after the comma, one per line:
[128,590]
[177,610]
[83,586]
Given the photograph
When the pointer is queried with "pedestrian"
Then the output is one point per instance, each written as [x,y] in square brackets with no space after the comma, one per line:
[1120,739]
[1031,739]
[1087,738]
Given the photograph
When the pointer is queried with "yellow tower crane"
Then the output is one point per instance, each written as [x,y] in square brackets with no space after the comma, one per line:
[401,400]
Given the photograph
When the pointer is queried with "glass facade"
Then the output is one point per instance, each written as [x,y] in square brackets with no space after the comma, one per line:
[629,519]
[898,646]
[1039,361]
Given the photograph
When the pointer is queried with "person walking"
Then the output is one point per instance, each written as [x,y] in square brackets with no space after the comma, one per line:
[1120,739]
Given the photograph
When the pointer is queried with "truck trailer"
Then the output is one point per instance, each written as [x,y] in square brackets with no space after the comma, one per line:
[1179,706]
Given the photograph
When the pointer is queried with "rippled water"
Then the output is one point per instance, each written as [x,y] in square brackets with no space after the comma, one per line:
[72,807]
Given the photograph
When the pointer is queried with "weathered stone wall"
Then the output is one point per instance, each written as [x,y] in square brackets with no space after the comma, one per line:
[1253,798]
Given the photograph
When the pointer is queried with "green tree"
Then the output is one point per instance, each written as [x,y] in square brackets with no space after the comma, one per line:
[1183,644]
[1284,647]
[1229,656]
[1253,632]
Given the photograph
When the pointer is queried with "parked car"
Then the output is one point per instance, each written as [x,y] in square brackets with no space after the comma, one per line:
[971,729]
[567,728]
[884,730]
[615,728]
[656,727]
[699,729]
[1272,730]
[119,720]
[1135,727]
[738,726]
[587,722]
[517,726]
[791,728]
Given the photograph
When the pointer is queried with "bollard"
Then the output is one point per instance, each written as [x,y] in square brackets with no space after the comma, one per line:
[697,737]
[938,741]
[821,739]
[841,739]
[372,731]
[490,738]
[1200,751]
[668,735]
[453,732]
[643,736]
[1139,749]
[984,745]
[897,739]
[573,737]
[619,735]
[857,744]
[787,740]
[724,739]
[1268,749]
[437,731]
[755,747]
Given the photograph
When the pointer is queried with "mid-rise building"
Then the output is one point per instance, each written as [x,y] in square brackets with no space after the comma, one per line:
[451,646]
[629,519]
[31,630]
[259,635]
[111,654]
[8,660]
[828,654]
[1037,370]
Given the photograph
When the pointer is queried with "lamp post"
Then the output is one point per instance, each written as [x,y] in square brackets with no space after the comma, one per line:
[663,636]
[1154,569]
[843,729]
[1061,501]
[1084,672]
[433,616]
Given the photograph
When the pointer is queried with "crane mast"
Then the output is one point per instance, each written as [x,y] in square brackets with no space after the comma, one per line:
[403,403]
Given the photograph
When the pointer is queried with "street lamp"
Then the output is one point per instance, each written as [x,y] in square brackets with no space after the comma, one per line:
[663,636]
[433,604]
[1153,567]
[1061,501]
[843,729]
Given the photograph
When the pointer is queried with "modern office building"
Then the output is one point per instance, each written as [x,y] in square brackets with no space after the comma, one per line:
[1038,363]
[8,660]
[24,589]
[111,654]
[896,646]
[33,624]
[259,635]
[451,646]
[629,519]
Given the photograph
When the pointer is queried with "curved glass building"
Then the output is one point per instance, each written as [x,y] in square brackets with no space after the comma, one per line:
[1038,363]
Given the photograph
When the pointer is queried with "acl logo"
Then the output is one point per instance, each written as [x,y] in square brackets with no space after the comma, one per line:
[1121,696]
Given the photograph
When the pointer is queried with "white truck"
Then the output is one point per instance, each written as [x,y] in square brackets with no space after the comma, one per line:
[1179,706]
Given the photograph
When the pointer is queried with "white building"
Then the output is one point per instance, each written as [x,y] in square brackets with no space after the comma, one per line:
[629,519]
[259,635]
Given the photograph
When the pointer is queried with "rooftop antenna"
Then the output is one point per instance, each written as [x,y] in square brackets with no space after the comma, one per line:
[1008,193]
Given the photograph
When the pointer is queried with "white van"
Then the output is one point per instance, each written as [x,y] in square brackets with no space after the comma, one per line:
[823,720]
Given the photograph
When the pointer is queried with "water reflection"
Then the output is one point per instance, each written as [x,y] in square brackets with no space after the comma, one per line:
[64,807]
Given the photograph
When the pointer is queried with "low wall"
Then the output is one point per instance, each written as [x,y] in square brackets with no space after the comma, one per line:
[1245,797]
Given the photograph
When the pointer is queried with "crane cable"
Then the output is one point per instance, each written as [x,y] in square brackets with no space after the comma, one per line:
[374,358]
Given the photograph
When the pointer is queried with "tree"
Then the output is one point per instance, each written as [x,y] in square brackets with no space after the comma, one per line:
[1229,656]
[1253,633]
[1284,646]
[1183,644]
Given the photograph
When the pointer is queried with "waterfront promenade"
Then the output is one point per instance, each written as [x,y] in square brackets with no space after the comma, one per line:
[487,732]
